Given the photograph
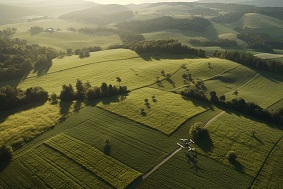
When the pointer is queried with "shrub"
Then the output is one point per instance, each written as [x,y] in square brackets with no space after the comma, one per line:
[231,156]
[6,154]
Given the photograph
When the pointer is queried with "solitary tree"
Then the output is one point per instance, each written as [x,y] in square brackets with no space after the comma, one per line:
[236,93]
[6,154]
[231,156]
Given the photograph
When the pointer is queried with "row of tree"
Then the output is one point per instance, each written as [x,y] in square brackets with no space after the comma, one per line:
[168,46]
[250,60]
[218,42]
[17,58]
[84,91]
[12,97]
[198,24]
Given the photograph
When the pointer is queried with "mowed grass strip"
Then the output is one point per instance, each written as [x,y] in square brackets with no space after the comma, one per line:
[271,174]
[107,168]
[189,170]
[165,112]
[250,139]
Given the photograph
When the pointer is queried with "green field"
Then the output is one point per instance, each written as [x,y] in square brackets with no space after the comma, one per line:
[234,132]
[166,113]
[270,175]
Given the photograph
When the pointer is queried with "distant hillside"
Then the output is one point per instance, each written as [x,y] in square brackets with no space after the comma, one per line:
[8,12]
[260,3]
[101,14]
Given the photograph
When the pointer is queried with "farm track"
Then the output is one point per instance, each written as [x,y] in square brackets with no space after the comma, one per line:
[254,180]
[210,121]
[247,82]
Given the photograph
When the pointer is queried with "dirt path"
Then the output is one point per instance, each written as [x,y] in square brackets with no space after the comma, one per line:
[161,162]
[215,117]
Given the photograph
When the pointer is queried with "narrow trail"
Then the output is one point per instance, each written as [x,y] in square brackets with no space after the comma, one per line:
[215,117]
[161,163]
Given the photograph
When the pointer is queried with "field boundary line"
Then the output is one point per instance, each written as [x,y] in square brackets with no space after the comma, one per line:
[264,162]
[214,118]
[274,103]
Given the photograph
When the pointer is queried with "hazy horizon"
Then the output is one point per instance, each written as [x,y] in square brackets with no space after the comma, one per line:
[137,1]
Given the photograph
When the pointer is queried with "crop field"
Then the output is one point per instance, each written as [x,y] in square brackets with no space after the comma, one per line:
[261,90]
[195,171]
[271,174]
[250,139]
[165,112]
[134,72]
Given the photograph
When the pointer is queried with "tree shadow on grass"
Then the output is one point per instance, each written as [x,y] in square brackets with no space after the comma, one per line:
[205,143]
[107,149]
[65,107]
[3,165]
[117,98]
[237,165]
[196,102]
[78,105]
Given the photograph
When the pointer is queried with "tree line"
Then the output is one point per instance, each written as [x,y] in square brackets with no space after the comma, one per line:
[260,41]
[84,91]
[198,24]
[238,104]
[218,42]
[17,58]
[8,32]
[250,60]
[13,97]
[169,46]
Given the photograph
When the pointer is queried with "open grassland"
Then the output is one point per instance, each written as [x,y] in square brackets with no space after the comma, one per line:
[165,112]
[200,69]
[195,171]
[251,140]
[107,168]
[264,90]
[230,81]
[134,72]
[261,23]
[23,124]
[271,174]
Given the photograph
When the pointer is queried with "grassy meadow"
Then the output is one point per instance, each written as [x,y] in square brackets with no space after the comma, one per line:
[165,112]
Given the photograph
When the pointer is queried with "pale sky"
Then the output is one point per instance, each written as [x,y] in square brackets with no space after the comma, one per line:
[136,1]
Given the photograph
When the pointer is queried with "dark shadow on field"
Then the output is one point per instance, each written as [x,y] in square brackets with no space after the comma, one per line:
[150,56]
[7,113]
[65,107]
[276,78]
[42,70]
[192,160]
[171,82]
[14,82]
[237,165]
[3,165]
[107,149]
[205,143]
[117,98]
[78,105]
[196,102]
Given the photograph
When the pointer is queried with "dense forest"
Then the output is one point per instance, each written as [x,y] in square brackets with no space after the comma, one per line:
[142,26]
[17,58]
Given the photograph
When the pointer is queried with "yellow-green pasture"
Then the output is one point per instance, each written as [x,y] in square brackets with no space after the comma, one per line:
[164,111]
[134,71]
[23,124]
[250,139]
[271,173]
